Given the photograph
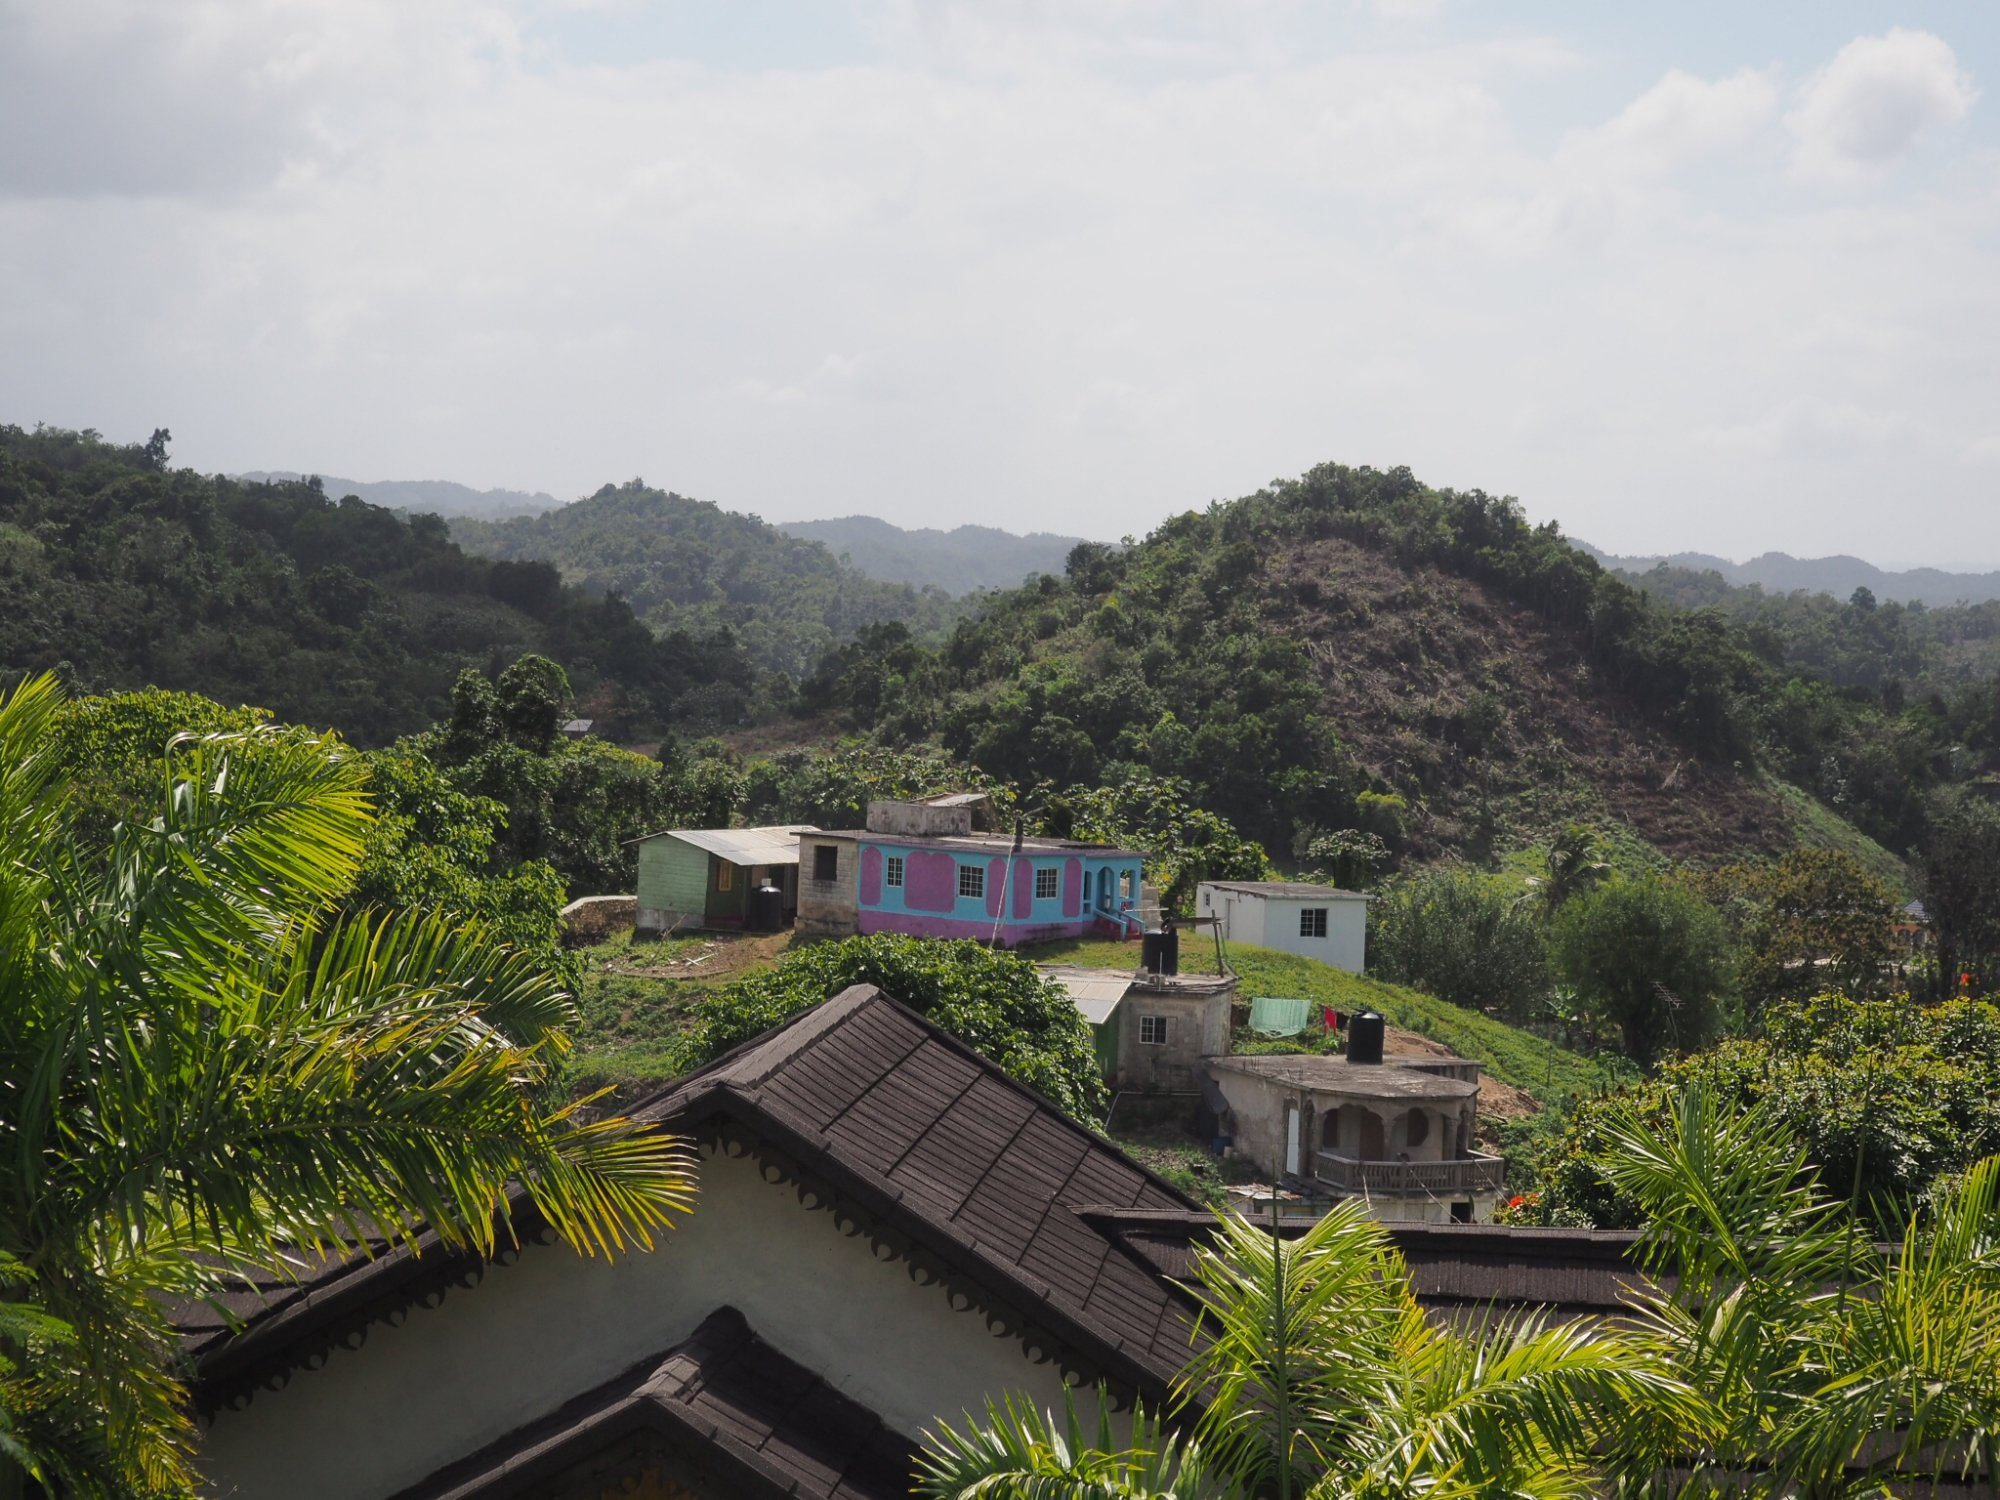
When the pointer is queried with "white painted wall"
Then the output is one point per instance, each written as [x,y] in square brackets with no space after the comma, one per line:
[1273,922]
[532,1335]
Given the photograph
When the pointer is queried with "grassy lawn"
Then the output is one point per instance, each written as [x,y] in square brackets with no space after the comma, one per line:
[1552,1074]
[637,999]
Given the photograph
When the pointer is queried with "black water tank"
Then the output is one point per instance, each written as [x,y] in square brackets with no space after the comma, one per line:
[1170,949]
[767,908]
[1364,1038]
[1153,951]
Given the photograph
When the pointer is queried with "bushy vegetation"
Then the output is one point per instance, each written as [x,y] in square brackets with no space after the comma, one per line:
[1888,1099]
[995,1002]
[119,572]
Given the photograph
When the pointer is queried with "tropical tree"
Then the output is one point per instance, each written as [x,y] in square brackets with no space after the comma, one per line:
[1316,1373]
[1828,1367]
[206,1072]
[1572,864]
[1650,958]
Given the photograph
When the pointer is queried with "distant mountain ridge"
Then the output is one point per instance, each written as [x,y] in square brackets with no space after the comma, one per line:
[1840,576]
[437,497]
[958,561]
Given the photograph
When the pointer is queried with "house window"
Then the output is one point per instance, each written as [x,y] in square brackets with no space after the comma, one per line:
[971,880]
[1125,885]
[892,870]
[1312,922]
[1045,884]
[826,862]
[725,875]
[1153,1030]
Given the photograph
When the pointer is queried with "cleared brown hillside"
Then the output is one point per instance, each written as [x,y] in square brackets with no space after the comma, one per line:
[1491,724]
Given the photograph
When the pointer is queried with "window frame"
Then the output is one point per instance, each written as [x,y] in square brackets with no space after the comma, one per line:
[827,856]
[892,871]
[1050,876]
[1312,921]
[1147,1026]
[971,882]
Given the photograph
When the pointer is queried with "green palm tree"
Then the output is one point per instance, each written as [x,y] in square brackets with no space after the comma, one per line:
[206,1070]
[1316,1373]
[1830,1368]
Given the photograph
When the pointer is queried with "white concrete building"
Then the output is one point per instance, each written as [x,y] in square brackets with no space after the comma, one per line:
[1313,921]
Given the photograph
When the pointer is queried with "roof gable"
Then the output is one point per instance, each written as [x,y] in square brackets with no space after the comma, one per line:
[724,1410]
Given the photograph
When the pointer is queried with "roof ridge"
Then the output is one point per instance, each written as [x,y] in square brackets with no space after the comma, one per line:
[803,1025]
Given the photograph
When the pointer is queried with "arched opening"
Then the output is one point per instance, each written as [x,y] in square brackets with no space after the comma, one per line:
[1104,889]
[1370,1144]
[1416,1129]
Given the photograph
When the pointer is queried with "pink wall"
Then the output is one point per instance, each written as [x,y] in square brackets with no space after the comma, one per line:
[979,931]
[930,881]
[996,886]
[1024,891]
[871,876]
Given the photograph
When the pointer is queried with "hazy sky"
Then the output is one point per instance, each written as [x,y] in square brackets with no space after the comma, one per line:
[1722,276]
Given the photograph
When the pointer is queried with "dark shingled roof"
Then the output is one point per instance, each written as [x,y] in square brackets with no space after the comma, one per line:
[900,1120]
[724,1410]
[992,1175]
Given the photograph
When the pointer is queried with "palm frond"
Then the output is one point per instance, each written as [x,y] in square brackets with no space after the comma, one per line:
[1021,1452]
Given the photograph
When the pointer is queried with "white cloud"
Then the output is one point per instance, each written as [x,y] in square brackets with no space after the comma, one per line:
[1679,121]
[1867,109]
[1142,255]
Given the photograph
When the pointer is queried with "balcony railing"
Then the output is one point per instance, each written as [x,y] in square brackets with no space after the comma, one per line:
[1411,1179]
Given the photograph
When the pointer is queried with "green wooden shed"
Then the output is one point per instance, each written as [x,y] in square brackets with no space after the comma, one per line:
[704,877]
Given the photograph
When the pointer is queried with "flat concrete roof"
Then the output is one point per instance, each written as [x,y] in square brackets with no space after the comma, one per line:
[978,843]
[1288,890]
[1336,1075]
[775,845]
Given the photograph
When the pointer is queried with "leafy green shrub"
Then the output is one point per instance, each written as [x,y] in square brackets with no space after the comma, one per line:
[1460,937]
[996,1003]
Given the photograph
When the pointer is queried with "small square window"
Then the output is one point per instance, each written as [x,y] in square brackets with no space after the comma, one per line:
[826,862]
[1045,884]
[892,870]
[971,880]
[1153,1031]
[1312,922]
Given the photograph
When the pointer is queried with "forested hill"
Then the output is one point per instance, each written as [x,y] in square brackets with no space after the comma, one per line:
[1781,573]
[1356,651]
[437,497]
[122,572]
[959,561]
[690,565]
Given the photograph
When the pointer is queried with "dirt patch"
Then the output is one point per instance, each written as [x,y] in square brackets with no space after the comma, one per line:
[717,956]
[1498,1101]
[1490,721]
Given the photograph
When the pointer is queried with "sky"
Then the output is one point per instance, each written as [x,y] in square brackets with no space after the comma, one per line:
[1701,276]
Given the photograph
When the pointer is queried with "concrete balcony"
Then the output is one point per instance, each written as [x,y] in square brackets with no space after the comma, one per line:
[1460,1178]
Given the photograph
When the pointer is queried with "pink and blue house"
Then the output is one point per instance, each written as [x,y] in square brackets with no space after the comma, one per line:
[919,868]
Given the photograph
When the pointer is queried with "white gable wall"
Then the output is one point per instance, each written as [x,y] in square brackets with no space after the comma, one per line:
[534,1334]
[1265,921]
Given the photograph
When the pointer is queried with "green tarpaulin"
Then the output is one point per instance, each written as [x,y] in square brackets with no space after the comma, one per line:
[1271,1016]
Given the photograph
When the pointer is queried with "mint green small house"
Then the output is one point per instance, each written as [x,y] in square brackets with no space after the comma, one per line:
[692,878]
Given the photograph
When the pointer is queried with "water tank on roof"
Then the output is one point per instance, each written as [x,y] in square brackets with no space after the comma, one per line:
[1364,1038]
[1160,951]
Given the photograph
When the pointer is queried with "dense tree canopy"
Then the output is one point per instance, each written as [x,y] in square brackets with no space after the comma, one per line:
[122,573]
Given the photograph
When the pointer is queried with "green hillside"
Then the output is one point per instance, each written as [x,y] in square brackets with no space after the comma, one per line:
[119,572]
[1356,635]
[959,561]
[688,565]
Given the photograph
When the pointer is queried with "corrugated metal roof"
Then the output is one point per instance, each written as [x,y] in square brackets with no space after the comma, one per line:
[1094,993]
[777,845]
